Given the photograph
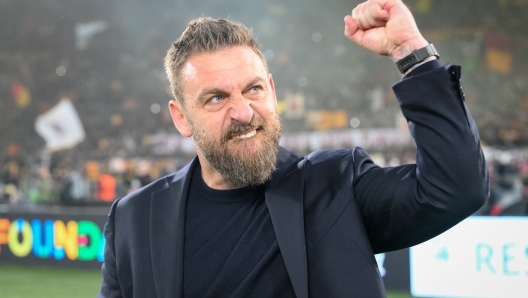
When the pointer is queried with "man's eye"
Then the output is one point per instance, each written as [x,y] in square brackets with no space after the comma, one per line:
[255,89]
[216,98]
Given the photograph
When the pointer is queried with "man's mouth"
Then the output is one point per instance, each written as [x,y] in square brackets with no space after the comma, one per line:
[245,135]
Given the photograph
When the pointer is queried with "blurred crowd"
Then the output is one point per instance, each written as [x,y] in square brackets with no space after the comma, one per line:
[70,181]
[509,183]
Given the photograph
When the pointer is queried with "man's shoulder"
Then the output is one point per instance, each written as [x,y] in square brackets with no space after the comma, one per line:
[324,155]
[336,156]
[330,162]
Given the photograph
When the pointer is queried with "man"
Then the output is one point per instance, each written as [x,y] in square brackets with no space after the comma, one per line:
[247,218]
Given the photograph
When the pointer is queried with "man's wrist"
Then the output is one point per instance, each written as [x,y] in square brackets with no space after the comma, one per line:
[419,64]
[407,48]
[416,58]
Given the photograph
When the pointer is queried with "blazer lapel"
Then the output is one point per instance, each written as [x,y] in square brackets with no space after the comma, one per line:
[284,199]
[167,220]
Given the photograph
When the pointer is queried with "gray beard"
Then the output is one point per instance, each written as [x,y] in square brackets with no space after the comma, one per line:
[240,167]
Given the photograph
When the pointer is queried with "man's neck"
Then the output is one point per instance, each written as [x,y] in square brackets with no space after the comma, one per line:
[211,177]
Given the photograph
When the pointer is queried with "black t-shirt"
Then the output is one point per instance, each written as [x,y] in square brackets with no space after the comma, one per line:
[230,246]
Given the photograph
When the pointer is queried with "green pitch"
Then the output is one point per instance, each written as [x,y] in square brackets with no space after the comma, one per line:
[30,282]
[26,282]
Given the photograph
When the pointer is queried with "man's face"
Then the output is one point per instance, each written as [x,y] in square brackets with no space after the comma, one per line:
[231,113]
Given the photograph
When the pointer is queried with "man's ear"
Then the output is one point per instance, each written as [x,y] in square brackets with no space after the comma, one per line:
[178,118]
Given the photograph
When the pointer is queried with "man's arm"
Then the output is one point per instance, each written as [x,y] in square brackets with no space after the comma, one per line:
[406,205]
[403,206]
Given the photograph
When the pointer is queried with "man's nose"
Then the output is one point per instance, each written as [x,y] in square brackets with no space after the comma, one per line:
[241,110]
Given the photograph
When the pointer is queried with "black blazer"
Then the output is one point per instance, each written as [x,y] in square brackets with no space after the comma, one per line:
[331,210]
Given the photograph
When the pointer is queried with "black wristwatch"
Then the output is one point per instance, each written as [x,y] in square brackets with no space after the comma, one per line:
[416,57]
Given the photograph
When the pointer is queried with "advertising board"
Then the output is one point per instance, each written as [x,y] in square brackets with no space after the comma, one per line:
[482,257]
[52,239]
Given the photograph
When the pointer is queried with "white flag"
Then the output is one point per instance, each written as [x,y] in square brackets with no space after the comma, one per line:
[60,127]
[85,31]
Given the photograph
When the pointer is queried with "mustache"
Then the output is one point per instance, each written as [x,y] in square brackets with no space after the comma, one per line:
[237,127]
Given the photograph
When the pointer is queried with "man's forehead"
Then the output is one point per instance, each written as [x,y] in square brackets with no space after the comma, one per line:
[223,59]
[238,63]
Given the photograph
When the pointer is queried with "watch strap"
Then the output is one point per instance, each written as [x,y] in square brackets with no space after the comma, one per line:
[416,57]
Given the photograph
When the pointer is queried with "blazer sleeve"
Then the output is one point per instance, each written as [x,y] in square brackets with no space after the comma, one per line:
[406,205]
[110,284]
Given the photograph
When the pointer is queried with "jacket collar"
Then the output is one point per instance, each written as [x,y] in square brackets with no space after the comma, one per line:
[284,199]
[167,218]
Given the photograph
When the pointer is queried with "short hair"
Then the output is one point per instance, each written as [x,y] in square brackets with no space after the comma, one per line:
[205,35]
